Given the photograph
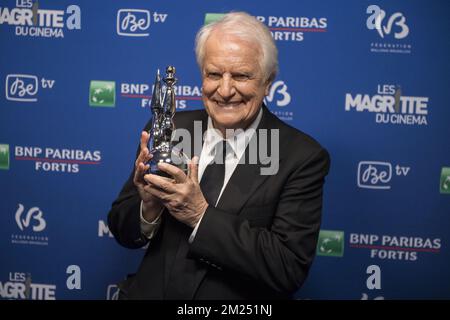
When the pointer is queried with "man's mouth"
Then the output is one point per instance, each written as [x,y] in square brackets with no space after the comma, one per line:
[228,104]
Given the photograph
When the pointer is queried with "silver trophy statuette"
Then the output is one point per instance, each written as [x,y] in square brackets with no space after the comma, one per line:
[163,109]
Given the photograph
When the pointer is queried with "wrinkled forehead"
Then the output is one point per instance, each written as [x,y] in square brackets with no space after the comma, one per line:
[233,41]
[230,51]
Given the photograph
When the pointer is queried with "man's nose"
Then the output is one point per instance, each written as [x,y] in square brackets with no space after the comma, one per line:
[226,87]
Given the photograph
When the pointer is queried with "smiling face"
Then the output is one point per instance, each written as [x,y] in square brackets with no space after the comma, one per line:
[234,85]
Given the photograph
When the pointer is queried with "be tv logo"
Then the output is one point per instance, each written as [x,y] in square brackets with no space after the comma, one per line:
[378,174]
[136,22]
[25,87]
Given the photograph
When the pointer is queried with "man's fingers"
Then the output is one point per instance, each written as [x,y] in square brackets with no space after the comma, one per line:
[157,192]
[144,157]
[144,153]
[193,169]
[144,139]
[164,184]
[142,168]
[142,164]
[140,157]
[175,172]
[139,172]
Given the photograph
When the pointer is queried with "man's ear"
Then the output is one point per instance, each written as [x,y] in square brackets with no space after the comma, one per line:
[268,84]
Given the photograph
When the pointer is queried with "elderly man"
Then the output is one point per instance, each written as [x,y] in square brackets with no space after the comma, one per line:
[224,230]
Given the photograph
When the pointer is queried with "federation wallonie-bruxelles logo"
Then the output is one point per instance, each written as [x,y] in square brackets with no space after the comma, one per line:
[330,243]
[444,186]
[4,156]
[31,223]
[392,29]
[102,93]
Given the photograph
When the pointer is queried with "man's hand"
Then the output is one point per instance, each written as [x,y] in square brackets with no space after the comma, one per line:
[181,195]
[151,206]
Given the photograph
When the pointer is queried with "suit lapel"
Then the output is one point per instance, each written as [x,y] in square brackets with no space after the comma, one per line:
[247,177]
[242,184]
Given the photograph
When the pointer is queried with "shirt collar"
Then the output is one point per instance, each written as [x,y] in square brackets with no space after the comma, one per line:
[238,141]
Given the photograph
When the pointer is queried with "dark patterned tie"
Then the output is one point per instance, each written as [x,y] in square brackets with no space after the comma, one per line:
[214,175]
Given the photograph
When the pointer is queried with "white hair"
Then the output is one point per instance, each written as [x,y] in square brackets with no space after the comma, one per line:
[245,27]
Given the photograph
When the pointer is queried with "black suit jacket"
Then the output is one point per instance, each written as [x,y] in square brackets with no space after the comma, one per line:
[258,243]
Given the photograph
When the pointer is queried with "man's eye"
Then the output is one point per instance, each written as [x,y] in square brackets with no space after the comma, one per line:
[241,77]
[214,75]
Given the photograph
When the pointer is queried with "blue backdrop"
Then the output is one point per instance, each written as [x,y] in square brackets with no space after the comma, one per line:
[368,79]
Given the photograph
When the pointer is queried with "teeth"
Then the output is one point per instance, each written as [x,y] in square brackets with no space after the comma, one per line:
[225,104]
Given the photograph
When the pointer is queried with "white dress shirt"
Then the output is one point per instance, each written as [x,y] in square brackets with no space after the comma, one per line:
[236,145]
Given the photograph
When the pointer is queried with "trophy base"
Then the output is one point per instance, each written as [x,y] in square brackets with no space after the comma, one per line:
[175,157]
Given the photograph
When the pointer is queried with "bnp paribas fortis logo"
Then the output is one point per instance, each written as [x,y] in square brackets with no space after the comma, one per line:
[4,156]
[102,93]
[331,243]
[445,180]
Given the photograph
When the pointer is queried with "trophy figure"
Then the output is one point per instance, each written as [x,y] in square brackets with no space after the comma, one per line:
[163,109]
